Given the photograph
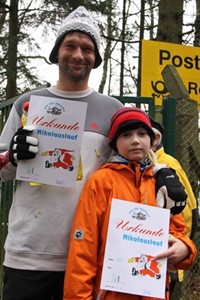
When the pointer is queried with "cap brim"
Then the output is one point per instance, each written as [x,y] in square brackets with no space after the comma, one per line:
[157,125]
[53,57]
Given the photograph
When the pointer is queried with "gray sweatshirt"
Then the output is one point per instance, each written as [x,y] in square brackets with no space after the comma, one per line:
[41,216]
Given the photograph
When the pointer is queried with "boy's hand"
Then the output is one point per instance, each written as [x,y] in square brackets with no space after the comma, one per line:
[23,146]
[176,252]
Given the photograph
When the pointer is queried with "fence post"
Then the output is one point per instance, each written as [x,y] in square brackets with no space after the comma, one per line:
[169,123]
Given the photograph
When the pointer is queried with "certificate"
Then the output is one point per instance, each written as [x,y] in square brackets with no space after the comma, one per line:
[136,233]
[58,126]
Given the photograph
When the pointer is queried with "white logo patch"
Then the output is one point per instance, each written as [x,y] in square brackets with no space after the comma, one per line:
[170,176]
[79,234]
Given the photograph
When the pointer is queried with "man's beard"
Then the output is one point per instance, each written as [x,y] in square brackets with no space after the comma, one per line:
[72,75]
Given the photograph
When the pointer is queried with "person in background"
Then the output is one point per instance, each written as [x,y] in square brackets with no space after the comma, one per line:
[130,175]
[190,212]
[36,246]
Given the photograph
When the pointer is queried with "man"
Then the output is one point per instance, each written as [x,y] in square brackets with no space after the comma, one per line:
[37,243]
[190,212]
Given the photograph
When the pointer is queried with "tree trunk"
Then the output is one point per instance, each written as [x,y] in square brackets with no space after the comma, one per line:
[197,24]
[11,88]
[107,50]
[3,10]
[140,46]
[170,21]
[124,18]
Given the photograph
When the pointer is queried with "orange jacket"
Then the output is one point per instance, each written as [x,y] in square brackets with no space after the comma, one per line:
[86,253]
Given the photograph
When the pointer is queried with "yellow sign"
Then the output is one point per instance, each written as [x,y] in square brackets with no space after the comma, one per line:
[156,55]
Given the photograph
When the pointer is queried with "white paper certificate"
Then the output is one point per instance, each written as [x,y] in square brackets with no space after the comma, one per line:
[136,233]
[58,125]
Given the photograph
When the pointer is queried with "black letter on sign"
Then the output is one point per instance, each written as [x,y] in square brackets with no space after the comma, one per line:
[164,55]
[192,86]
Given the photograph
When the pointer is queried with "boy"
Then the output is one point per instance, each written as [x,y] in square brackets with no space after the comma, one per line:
[128,176]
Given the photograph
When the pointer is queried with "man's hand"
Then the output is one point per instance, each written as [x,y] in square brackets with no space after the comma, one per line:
[4,159]
[23,146]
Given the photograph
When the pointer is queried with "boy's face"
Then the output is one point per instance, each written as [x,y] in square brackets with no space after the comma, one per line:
[134,144]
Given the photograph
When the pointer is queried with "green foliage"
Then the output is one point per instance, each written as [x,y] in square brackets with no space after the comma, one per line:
[34,18]
[37,22]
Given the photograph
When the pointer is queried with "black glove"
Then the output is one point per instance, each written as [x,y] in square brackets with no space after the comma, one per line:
[170,192]
[23,146]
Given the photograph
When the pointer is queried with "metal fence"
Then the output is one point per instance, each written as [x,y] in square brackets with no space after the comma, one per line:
[184,141]
[6,191]
[188,153]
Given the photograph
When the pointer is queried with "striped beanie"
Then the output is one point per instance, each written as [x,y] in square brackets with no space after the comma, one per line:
[128,118]
[79,20]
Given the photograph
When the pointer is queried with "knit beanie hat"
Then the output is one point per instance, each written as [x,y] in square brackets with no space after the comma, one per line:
[79,20]
[157,125]
[128,118]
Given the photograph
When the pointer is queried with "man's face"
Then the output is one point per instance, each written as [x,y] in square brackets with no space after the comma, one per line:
[76,56]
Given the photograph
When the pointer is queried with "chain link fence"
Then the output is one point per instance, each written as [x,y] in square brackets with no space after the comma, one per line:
[190,288]
[188,153]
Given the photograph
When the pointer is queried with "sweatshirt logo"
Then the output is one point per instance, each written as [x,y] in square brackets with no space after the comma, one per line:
[94,126]
[79,234]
